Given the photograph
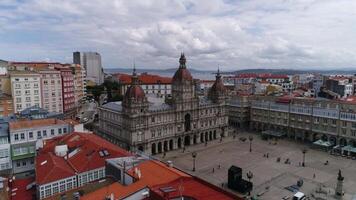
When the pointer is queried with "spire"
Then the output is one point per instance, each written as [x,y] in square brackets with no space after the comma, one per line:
[218,76]
[182,61]
[134,78]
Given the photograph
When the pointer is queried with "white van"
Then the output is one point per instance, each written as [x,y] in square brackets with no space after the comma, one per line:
[299,196]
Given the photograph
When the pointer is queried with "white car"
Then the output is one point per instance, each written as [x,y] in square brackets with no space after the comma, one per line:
[299,196]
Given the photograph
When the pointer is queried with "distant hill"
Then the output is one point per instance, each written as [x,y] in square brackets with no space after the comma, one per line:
[293,72]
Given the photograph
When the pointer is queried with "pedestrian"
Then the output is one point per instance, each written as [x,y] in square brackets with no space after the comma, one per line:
[219,166]
[213,169]
[314,176]
[267,155]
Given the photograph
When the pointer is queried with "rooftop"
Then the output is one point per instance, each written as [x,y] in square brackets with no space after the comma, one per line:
[86,152]
[156,175]
[23,124]
[143,78]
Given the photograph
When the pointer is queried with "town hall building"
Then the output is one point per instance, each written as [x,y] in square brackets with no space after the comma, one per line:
[155,125]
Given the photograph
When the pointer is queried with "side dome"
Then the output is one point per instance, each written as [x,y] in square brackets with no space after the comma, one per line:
[182,74]
[134,92]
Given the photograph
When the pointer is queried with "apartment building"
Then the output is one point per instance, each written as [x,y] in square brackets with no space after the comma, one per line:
[68,93]
[238,108]
[79,82]
[307,119]
[6,106]
[5,150]
[5,84]
[51,86]
[26,135]
[26,89]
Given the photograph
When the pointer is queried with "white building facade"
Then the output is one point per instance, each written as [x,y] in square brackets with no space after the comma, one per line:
[51,85]
[26,89]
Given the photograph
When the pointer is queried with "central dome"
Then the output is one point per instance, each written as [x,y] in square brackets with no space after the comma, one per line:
[182,74]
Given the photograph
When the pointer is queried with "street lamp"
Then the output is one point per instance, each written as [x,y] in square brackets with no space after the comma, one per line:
[194,155]
[304,151]
[249,176]
[250,138]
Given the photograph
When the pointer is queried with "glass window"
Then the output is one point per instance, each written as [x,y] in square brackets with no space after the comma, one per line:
[39,135]
[30,134]
[44,133]
[52,131]
[64,130]
[16,137]
[22,136]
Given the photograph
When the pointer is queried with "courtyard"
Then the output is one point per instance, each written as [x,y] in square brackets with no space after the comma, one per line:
[269,176]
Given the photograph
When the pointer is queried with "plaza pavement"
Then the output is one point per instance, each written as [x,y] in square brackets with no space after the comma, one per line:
[269,177]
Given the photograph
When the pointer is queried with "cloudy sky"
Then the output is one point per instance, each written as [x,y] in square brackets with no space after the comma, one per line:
[231,34]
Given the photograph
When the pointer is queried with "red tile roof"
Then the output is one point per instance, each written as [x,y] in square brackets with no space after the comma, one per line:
[87,157]
[193,187]
[143,78]
[155,175]
[20,192]
[22,124]
[50,167]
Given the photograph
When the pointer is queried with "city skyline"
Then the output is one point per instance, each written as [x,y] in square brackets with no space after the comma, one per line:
[232,34]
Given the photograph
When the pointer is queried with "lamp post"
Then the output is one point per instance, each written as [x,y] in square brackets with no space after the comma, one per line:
[304,151]
[250,138]
[194,155]
[249,176]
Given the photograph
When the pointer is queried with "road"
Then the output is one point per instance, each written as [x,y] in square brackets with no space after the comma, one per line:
[88,110]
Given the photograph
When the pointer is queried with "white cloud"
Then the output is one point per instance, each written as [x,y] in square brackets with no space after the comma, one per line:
[231,34]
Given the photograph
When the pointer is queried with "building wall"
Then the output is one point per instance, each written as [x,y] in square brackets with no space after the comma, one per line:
[26,90]
[5,154]
[92,175]
[62,185]
[68,91]
[51,85]
[5,84]
[159,89]
[307,120]
[161,131]
[6,106]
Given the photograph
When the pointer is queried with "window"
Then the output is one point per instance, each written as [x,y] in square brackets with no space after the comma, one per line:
[44,133]
[24,163]
[64,130]
[30,134]
[18,164]
[22,136]
[39,134]
[35,91]
[18,92]
[353,125]
[16,137]
[18,99]
[52,131]
[59,131]
[27,92]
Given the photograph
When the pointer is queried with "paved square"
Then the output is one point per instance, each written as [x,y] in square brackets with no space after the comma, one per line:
[269,176]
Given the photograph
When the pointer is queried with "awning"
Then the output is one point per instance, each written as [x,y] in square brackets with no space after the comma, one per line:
[273,133]
[322,143]
[349,148]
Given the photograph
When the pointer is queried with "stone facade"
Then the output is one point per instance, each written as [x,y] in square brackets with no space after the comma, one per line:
[148,124]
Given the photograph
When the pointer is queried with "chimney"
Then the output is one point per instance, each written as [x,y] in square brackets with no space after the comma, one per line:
[169,163]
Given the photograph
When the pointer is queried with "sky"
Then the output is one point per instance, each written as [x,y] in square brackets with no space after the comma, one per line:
[241,34]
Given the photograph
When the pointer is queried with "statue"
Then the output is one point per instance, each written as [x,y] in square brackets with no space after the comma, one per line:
[338,191]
